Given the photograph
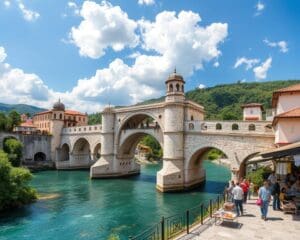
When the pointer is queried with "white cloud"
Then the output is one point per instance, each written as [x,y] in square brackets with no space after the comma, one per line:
[184,43]
[261,71]
[7,3]
[283,47]
[259,8]
[216,64]
[249,63]
[181,41]
[103,26]
[135,55]
[201,86]
[146,2]
[74,7]
[29,15]
[3,54]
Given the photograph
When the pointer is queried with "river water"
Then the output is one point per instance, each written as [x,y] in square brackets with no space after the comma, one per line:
[98,209]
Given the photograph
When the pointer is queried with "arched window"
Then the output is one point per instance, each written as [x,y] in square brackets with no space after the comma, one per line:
[60,116]
[182,88]
[177,87]
[203,126]
[54,115]
[171,87]
[235,126]
[191,126]
[218,126]
[251,127]
[192,118]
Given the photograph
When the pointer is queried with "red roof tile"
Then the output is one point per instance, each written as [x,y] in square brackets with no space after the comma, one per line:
[290,89]
[72,112]
[294,113]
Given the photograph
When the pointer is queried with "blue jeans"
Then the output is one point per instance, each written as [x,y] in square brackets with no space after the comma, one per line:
[276,202]
[238,206]
[264,208]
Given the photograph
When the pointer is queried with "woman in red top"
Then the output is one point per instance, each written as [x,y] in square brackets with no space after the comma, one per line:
[245,186]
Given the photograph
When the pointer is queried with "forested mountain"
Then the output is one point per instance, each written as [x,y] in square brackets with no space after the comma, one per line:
[223,102]
[20,108]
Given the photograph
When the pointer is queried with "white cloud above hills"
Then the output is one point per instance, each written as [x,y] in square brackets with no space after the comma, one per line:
[169,40]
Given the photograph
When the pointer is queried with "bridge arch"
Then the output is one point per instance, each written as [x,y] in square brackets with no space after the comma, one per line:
[194,171]
[40,157]
[65,152]
[129,144]
[96,151]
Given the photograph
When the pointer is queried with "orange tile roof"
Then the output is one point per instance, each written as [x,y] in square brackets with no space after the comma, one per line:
[290,89]
[294,113]
[44,112]
[72,112]
[28,123]
[251,118]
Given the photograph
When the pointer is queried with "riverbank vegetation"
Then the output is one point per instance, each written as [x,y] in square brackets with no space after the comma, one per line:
[14,185]
[9,121]
[156,152]
[13,148]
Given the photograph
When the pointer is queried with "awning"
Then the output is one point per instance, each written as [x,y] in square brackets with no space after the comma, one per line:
[258,159]
[288,150]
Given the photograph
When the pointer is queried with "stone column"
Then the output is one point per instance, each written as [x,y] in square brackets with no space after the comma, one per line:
[170,177]
[104,166]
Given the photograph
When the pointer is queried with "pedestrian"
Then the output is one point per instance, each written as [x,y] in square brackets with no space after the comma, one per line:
[272,178]
[275,194]
[245,186]
[265,195]
[238,196]
[229,191]
[251,189]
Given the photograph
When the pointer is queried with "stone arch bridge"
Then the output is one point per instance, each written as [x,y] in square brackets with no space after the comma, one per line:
[184,137]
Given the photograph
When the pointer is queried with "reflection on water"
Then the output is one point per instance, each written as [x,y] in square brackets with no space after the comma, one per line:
[86,209]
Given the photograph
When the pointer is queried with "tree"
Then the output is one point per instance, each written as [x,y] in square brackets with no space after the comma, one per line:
[154,145]
[95,118]
[3,121]
[14,188]
[14,119]
[13,148]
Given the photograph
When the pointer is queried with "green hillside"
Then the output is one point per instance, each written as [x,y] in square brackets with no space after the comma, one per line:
[20,108]
[223,102]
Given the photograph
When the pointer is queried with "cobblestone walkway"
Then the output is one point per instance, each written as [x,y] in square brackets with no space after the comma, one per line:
[279,226]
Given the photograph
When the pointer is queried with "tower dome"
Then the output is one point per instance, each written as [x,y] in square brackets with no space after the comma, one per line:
[58,106]
[175,87]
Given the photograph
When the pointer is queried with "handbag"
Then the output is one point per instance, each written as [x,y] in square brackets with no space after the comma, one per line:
[259,202]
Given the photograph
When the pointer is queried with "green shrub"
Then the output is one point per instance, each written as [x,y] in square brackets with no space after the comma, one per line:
[14,188]
[13,148]
[258,176]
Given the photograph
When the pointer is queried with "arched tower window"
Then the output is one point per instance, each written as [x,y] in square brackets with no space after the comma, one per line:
[60,116]
[192,118]
[177,87]
[235,126]
[182,88]
[251,127]
[54,115]
[218,126]
[171,87]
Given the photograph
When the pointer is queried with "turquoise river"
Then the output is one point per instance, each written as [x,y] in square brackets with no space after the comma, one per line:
[99,209]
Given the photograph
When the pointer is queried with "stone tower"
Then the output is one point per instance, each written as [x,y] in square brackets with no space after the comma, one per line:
[104,166]
[56,126]
[171,176]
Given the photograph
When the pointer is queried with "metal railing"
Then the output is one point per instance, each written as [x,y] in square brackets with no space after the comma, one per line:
[169,227]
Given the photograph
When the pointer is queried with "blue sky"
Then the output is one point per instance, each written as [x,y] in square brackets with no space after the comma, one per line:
[91,53]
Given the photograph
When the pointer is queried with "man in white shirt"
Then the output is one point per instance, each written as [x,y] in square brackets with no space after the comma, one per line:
[238,196]
[272,178]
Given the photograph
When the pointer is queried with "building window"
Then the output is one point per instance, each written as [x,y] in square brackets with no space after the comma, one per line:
[182,88]
[191,126]
[79,119]
[177,87]
[235,126]
[218,126]
[60,116]
[54,115]
[192,118]
[251,127]
[171,87]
